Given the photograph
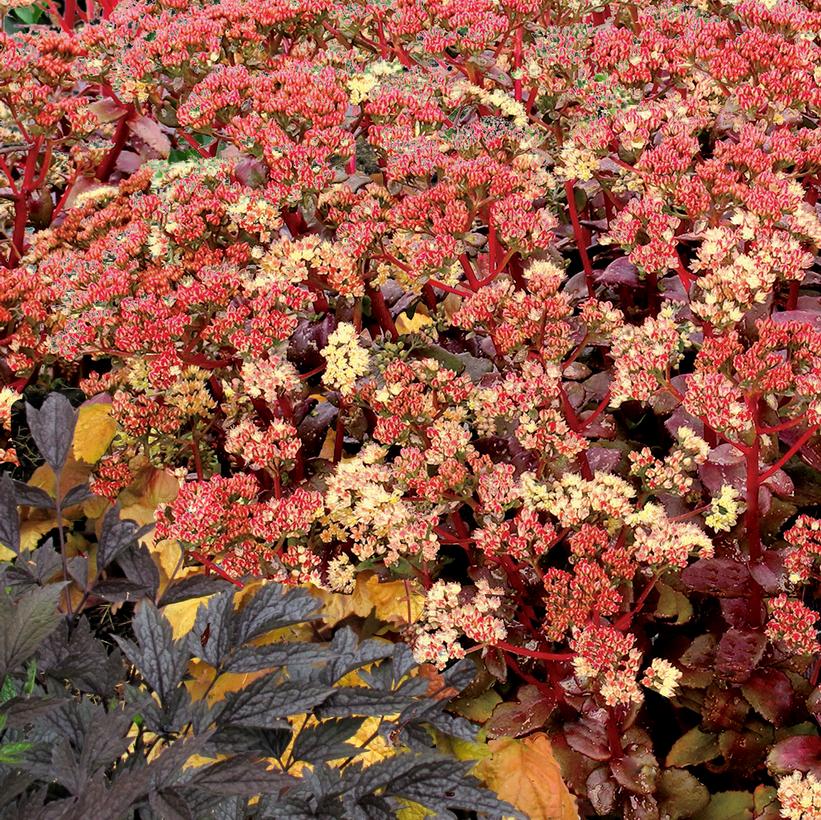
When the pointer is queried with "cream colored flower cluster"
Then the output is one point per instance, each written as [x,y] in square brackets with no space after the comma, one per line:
[346,359]
[800,796]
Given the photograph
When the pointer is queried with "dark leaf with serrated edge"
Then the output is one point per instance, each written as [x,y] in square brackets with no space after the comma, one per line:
[160,659]
[165,769]
[359,700]
[76,495]
[194,586]
[25,623]
[34,568]
[433,781]
[9,517]
[241,776]
[139,567]
[350,653]
[739,652]
[268,699]
[770,693]
[296,656]
[12,785]
[20,712]
[212,638]
[52,428]
[274,607]
[209,807]
[118,590]
[77,656]
[326,740]
[170,805]
[28,496]
[259,742]
[718,576]
[117,535]
[77,567]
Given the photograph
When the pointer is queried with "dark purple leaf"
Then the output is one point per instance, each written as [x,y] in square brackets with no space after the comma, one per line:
[9,517]
[530,711]
[620,271]
[589,737]
[636,772]
[718,576]
[739,652]
[52,428]
[771,694]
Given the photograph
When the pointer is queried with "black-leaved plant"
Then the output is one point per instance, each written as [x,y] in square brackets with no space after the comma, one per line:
[100,716]
[88,732]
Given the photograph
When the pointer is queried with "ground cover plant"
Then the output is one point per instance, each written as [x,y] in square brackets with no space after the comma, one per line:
[492,327]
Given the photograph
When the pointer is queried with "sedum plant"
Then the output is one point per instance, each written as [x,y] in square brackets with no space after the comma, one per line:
[494,322]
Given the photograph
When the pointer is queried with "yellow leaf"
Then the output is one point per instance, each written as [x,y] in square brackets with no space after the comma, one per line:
[396,602]
[151,488]
[94,432]
[327,451]
[167,554]
[451,303]
[406,324]
[371,749]
[202,683]
[335,606]
[33,529]
[525,773]
[73,473]
[6,554]
[413,811]
[462,749]
[183,614]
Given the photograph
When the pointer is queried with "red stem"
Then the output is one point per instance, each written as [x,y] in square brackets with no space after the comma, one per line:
[381,312]
[532,653]
[752,521]
[120,137]
[789,454]
[581,239]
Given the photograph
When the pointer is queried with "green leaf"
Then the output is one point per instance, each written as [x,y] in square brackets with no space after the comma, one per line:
[728,806]
[12,754]
[680,794]
[693,748]
[673,604]
[28,14]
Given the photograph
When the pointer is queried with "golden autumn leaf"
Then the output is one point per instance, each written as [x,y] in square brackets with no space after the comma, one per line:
[479,708]
[392,601]
[151,488]
[33,529]
[335,605]
[395,602]
[327,451]
[413,811]
[73,473]
[202,685]
[94,432]
[526,775]
[411,324]
[182,615]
